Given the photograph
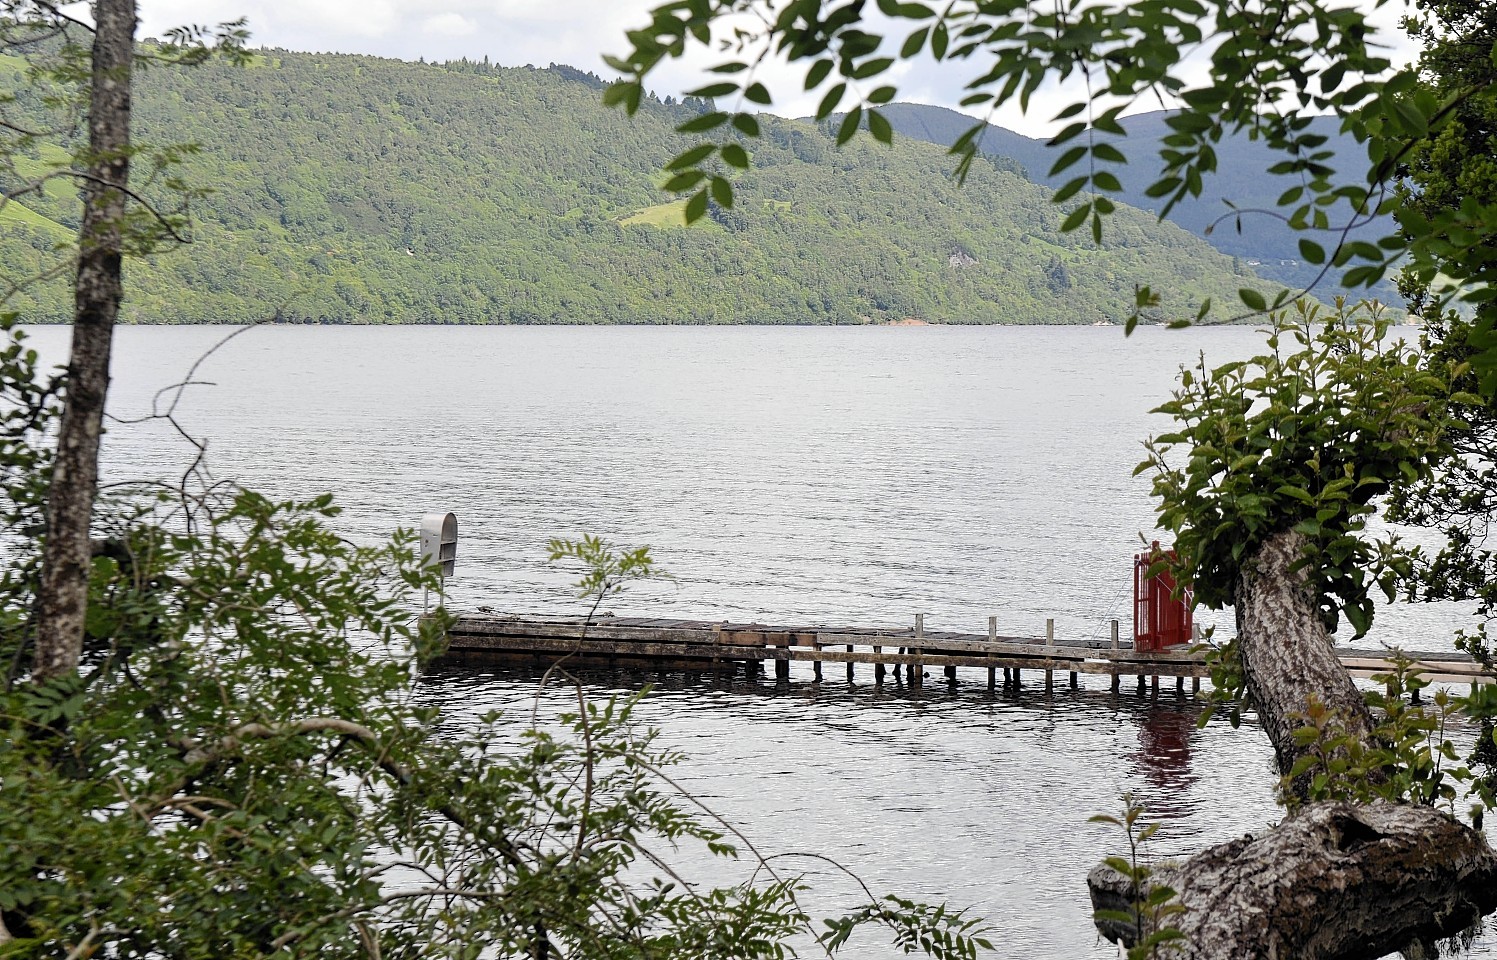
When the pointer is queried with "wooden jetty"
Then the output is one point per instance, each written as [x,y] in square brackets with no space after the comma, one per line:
[721,645]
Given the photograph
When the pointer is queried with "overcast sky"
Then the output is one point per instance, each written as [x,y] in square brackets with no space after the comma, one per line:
[517,32]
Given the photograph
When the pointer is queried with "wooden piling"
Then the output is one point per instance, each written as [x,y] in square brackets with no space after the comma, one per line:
[1180,684]
[1049,642]
[1117,678]
[993,671]
[816,669]
[878,668]
[1195,685]
[916,672]
[781,671]
[849,665]
[1154,684]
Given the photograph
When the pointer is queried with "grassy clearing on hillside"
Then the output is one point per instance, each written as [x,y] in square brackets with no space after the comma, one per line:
[15,212]
[662,215]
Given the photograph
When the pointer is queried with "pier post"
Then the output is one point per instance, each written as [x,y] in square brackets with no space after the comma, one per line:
[781,670]
[1141,679]
[1116,678]
[849,665]
[1049,642]
[816,669]
[993,671]
[1154,684]
[878,668]
[916,672]
[1195,685]
[1180,683]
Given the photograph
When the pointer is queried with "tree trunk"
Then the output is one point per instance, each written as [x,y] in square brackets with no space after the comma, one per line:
[62,599]
[1287,655]
[1335,881]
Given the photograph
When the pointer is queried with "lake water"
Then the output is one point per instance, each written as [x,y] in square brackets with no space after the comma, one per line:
[798,475]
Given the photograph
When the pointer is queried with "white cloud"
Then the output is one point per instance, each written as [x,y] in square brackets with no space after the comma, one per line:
[448,24]
[575,32]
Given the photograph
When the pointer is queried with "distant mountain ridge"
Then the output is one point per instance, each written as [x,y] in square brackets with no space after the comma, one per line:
[1264,242]
[352,189]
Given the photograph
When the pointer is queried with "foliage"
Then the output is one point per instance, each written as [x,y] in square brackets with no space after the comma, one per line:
[605,572]
[1153,903]
[1449,191]
[1409,758]
[1454,173]
[359,190]
[1304,438]
[44,154]
[247,765]
[1240,182]
[1264,69]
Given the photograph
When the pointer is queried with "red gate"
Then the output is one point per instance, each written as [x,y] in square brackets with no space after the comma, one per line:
[1160,619]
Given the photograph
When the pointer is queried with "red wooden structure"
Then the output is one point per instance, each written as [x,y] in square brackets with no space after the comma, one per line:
[1160,619]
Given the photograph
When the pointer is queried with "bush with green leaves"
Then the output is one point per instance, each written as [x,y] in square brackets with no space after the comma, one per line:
[1151,915]
[1306,438]
[245,764]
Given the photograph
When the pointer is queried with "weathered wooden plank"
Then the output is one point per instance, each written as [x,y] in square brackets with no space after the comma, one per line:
[599,647]
[1468,667]
[663,637]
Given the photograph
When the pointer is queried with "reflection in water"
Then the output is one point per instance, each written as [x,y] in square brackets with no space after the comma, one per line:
[1163,757]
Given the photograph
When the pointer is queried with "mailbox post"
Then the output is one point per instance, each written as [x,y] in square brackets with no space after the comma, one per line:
[439,543]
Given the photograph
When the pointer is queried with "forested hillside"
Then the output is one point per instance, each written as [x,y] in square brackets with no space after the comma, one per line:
[1263,240]
[354,189]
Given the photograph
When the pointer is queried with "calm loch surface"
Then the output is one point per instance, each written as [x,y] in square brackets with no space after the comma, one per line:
[791,475]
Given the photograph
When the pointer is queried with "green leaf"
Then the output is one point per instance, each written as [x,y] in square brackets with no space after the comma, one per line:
[696,207]
[703,123]
[830,101]
[686,180]
[1076,218]
[713,90]
[692,157]
[1252,299]
[815,75]
[722,192]
[849,126]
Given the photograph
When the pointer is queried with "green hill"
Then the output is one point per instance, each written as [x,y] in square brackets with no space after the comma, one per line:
[355,189]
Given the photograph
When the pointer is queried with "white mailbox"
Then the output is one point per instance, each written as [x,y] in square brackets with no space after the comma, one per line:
[439,541]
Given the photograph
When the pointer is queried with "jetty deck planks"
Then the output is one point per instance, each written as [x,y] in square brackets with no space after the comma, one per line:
[727,644]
